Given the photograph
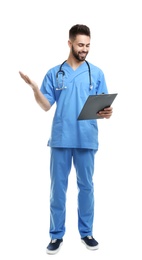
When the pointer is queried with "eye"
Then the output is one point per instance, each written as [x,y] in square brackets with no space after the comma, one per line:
[80,45]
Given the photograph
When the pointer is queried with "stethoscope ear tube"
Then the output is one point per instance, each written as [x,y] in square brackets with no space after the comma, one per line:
[90,81]
[63,74]
[60,71]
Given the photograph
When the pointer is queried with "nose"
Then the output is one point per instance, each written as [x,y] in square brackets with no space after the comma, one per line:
[85,48]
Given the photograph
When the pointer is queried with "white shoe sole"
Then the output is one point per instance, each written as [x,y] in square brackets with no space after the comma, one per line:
[90,247]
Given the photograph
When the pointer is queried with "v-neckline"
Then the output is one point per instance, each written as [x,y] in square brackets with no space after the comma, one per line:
[74,70]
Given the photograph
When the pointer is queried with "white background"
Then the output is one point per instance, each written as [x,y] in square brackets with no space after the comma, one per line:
[34,37]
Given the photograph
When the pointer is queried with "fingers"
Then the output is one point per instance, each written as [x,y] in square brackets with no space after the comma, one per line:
[21,74]
[25,77]
[106,113]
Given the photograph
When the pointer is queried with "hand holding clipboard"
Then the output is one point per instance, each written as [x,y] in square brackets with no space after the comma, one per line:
[94,104]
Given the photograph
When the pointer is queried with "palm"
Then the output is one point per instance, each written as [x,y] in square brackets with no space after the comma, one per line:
[27,80]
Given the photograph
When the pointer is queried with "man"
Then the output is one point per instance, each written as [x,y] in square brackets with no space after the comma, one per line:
[69,85]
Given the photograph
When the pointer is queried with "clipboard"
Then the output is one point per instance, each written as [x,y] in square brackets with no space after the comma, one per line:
[94,104]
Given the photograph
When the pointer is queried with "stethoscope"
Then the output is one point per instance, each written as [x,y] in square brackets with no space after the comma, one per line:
[61,71]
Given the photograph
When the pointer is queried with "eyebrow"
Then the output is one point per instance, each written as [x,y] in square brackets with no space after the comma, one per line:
[83,43]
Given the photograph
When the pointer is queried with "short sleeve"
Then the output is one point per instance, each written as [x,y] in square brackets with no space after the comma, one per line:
[102,87]
[47,88]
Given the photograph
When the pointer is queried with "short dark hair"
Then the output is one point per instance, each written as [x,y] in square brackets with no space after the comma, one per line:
[79,29]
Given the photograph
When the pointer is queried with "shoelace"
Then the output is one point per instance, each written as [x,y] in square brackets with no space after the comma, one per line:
[90,237]
[53,241]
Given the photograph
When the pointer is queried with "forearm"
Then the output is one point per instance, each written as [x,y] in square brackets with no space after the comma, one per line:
[41,99]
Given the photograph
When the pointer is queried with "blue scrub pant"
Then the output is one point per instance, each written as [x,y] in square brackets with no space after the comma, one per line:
[60,167]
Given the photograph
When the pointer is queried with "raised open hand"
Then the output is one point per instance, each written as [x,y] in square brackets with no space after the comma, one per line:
[28,80]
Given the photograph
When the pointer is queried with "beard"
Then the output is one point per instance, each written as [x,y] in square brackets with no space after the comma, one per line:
[80,56]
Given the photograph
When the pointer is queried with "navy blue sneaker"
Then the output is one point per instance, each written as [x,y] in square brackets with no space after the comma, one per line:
[90,242]
[54,246]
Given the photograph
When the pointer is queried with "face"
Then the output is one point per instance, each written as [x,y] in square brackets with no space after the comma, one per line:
[80,47]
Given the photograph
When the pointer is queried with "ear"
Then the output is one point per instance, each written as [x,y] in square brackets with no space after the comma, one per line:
[69,43]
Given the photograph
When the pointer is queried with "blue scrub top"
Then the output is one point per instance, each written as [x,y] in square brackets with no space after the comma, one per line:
[67,131]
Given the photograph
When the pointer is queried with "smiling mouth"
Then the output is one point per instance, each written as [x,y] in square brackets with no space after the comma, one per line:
[83,53]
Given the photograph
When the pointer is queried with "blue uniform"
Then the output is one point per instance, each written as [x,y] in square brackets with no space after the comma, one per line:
[71,138]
